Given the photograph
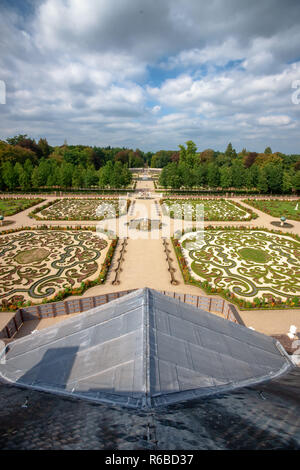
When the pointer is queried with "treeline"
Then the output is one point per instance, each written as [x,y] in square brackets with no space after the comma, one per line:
[49,174]
[268,172]
[27,164]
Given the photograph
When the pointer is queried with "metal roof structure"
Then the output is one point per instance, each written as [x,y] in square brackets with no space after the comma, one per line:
[143,350]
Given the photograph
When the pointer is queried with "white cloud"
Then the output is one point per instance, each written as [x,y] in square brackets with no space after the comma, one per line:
[82,70]
[274,120]
[217,54]
[156,109]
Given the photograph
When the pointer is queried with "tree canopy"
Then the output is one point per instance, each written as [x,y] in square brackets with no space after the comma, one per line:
[26,164]
[265,172]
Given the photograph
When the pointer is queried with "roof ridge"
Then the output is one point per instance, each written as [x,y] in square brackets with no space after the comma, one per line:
[146,352]
[146,357]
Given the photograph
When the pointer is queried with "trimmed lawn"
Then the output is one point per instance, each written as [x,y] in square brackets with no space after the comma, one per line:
[10,206]
[252,254]
[277,208]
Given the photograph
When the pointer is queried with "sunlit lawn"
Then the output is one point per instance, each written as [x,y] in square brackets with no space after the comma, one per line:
[277,208]
[12,206]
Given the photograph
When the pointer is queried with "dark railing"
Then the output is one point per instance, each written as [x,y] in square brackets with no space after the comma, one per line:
[120,260]
[54,309]
[169,261]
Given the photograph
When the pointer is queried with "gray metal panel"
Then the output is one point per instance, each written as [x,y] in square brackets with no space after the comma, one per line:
[144,349]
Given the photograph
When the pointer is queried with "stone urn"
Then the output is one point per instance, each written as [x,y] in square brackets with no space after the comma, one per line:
[282,220]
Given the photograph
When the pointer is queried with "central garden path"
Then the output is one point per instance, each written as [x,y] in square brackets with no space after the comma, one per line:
[145,263]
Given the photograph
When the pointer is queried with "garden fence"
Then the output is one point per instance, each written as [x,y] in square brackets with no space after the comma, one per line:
[66,307]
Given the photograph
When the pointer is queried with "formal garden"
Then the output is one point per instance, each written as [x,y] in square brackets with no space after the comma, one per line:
[213,209]
[11,206]
[82,209]
[251,267]
[42,265]
[277,208]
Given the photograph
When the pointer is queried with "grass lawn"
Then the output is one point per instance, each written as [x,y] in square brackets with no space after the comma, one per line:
[32,255]
[277,208]
[12,206]
[252,254]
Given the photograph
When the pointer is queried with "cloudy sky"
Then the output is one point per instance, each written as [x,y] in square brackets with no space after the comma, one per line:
[152,74]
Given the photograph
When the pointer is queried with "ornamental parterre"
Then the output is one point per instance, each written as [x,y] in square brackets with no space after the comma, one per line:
[82,209]
[36,264]
[251,264]
[213,209]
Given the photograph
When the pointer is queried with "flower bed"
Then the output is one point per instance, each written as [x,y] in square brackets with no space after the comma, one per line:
[228,262]
[81,209]
[213,209]
[48,264]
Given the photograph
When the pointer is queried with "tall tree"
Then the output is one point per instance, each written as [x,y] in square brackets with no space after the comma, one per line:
[230,151]
[188,155]
[268,151]
[238,174]
[249,159]
[44,147]
[9,176]
[262,183]
[296,181]
[287,183]
[225,177]
[187,175]
[65,175]
[274,172]
[213,175]
[24,180]
[105,174]
[78,177]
